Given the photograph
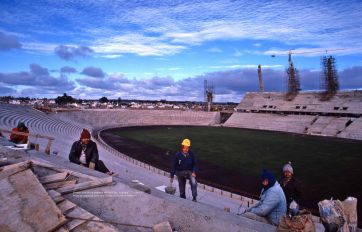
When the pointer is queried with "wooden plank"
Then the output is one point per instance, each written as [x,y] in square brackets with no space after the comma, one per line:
[66,206]
[62,229]
[53,194]
[55,168]
[85,185]
[60,184]
[26,206]
[12,169]
[79,213]
[57,197]
[53,178]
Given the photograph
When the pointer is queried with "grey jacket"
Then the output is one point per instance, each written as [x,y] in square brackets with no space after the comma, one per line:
[272,204]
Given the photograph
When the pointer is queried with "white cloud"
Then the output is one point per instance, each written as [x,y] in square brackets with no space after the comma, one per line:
[111,56]
[41,47]
[136,43]
[185,23]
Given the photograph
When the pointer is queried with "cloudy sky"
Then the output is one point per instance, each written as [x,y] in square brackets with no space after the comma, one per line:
[166,49]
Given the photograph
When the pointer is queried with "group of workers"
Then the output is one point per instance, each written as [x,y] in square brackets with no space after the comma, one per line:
[275,197]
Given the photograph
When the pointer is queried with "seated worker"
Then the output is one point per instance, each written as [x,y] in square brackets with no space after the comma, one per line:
[85,153]
[19,139]
[290,185]
[272,205]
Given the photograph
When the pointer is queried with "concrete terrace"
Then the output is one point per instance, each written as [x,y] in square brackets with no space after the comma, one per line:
[184,215]
[306,114]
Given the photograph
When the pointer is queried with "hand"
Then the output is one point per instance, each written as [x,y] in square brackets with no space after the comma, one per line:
[193,174]
[92,165]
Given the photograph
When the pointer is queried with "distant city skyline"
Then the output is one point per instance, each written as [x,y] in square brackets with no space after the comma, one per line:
[155,50]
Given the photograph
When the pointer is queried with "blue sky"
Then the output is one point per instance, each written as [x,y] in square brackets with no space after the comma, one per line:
[165,49]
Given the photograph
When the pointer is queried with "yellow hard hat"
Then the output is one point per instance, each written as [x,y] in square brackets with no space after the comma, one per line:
[186,142]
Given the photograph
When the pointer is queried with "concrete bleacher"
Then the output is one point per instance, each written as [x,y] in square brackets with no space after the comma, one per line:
[347,102]
[273,122]
[64,132]
[96,118]
[305,114]
[353,131]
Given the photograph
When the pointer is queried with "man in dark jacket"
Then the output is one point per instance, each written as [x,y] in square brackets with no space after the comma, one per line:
[85,153]
[184,166]
[290,185]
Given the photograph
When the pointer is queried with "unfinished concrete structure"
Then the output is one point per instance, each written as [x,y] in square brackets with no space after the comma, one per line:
[305,114]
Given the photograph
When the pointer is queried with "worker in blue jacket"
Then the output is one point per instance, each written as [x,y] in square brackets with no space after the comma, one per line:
[272,205]
[184,166]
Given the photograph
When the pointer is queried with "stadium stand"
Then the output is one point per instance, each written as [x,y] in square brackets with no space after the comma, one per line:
[97,118]
[305,114]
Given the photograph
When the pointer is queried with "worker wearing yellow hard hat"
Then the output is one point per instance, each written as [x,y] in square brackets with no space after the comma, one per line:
[184,166]
[186,142]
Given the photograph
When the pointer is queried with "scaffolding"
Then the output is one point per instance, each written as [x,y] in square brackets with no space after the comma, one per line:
[329,77]
[209,94]
[261,84]
[293,80]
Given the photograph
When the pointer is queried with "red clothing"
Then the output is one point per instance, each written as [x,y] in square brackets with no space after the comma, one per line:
[19,138]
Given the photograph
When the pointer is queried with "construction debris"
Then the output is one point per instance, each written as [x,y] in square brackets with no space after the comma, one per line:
[86,185]
[24,203]
[53,178]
